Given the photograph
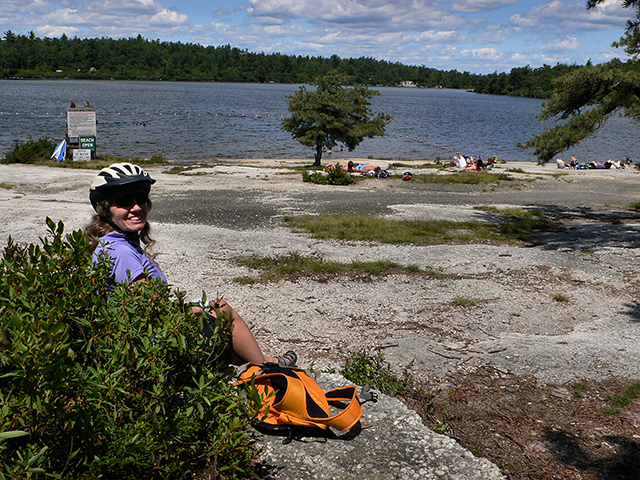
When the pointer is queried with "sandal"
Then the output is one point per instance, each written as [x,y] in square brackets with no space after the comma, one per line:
[289,359]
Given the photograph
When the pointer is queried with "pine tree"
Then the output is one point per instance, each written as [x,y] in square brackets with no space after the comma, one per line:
[333,113]
[588,97]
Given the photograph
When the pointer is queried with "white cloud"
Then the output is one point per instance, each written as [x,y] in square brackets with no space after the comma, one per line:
[54,31]
[111,18]
[491,54]
[412,31]
[573,14]
[496,34]
[523,21]
[569,43]
[221,12]
[168,18]
[286,8]
[10,8]
[474,6]
[122,7]
[401,15]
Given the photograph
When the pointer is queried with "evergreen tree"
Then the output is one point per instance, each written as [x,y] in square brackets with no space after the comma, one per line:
[334,113]
[586,98]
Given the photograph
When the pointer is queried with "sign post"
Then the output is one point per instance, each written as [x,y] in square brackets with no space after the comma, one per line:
[81,132]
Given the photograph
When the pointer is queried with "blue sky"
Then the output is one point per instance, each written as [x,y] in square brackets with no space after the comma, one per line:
[479,36]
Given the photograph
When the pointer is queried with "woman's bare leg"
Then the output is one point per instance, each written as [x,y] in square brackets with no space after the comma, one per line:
[245,345]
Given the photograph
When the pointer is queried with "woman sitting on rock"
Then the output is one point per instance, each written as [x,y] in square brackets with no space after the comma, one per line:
[120,196]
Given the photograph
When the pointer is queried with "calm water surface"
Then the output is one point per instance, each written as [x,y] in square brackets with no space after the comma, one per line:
[202,121]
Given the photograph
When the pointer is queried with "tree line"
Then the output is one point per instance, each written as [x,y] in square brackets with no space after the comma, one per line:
[29,56]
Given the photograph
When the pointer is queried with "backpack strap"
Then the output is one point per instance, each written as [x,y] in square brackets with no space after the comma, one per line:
[351,414]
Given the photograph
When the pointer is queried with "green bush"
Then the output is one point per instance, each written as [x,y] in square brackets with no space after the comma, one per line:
[33,151]
[315,177]
[108,381]
[364,367]
[334,176]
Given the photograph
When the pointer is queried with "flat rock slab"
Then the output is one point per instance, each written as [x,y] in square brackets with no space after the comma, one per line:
[395,445]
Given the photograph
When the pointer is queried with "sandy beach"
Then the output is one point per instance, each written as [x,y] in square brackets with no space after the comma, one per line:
[206,217]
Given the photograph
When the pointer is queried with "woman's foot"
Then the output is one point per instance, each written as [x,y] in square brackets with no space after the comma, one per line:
[288,359]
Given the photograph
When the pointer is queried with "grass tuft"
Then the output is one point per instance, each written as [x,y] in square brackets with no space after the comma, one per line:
[293,266]
[32,151]
[467,178]
[558,297]
[419,232]
[414,166]
[464,302]
[579,388]
[370,368]
[628,395]
[245,280]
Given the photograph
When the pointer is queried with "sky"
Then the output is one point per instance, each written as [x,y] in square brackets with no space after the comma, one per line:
[477,36]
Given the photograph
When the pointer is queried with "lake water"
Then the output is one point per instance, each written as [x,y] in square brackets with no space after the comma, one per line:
[205,121]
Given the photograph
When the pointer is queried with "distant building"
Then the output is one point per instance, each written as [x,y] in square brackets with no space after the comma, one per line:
[408,83]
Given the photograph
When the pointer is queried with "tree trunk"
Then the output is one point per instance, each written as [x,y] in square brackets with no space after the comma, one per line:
[317,156]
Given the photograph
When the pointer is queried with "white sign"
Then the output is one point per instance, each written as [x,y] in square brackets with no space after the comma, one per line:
[81,123]
[81,155]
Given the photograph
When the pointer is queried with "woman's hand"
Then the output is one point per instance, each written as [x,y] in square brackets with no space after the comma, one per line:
[218,304]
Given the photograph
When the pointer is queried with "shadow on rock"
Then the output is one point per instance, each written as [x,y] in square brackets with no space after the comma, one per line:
[621,464]
[308,435]
[589,228]
[633,311]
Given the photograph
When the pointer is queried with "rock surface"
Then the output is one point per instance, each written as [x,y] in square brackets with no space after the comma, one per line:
[204,221]
[393,445]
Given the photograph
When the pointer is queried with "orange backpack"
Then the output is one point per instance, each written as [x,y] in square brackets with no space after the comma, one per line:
[290,398]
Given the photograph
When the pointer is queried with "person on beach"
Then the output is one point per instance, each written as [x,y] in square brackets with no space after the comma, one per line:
[119,195]
[472,165]
[457,162]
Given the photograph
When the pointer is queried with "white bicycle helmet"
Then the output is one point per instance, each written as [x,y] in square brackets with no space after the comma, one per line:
[116,175]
